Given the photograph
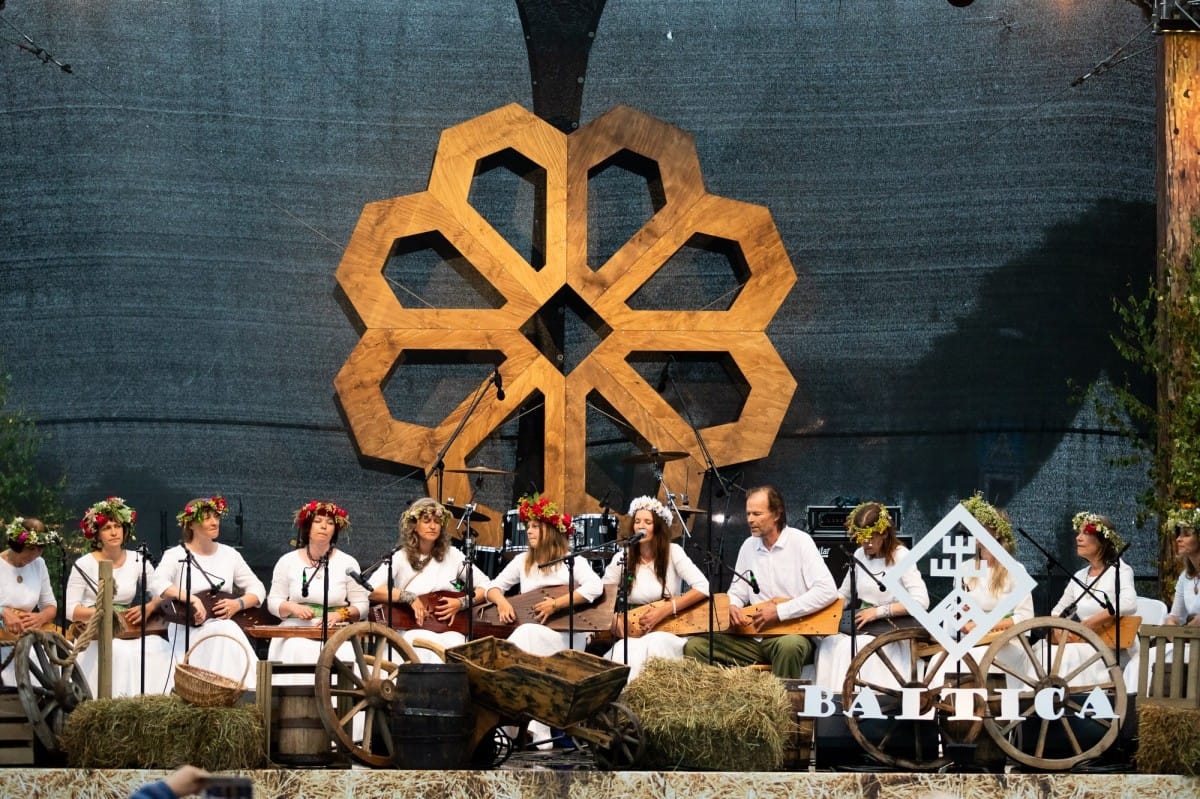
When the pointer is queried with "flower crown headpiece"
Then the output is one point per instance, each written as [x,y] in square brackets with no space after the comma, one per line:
[105,511]
[306,513]
[653,505]
[862,535]
[986,514]
[194,511]
[1186,515]
[18,533]
[1093,524]
[415,511]
[546,512]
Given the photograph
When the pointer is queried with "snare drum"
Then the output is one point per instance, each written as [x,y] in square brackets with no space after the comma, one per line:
[515,539]
[595,530]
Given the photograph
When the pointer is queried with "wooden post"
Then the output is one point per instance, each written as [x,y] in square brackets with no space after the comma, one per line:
[1178,205]
[104,637]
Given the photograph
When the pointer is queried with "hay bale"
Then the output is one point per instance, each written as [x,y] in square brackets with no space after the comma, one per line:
[700,716]
[1168,740]
[163,732]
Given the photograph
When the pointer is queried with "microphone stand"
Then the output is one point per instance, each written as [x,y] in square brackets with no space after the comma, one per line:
[623,602]
[715,564]
[569,559]
[1099,596]
[324,561]
[855,565]
[144,551]
[439,464]
[469,562]
[187,598]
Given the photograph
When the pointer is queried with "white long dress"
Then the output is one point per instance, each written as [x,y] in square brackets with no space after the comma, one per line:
[233,656]
[980,597]
[834,653]
[1089,604]
[126,653]
[435,575]
[292,573]
[25,588]
[645,589]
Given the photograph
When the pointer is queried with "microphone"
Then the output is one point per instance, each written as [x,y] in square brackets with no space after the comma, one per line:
[631,540]
[358,578]
[498,379]
[468,509]
[753,581]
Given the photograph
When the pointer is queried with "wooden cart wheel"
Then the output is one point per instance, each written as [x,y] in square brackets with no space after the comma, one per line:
[50,686]
[362,688]
[495,748]
[1044,675]
[907,671]
[620,740]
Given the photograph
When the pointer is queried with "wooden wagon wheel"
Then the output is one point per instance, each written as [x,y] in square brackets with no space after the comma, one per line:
[493,749]
[1043,675]
[613,735]
[909,671]
[365,686]
[49,683]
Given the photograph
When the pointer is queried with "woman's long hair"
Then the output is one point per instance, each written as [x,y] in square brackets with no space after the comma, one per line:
[551,545]
[662,549]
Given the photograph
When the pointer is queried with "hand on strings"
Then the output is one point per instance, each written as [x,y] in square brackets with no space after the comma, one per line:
[133,616]
[297,610]
[545,609]
[618,625]
[765,615]
[504,610]
[654,616]
[14,621]
[737,616]
[419,611]
[864,617]
[199,614]
[226,608]
[447,608]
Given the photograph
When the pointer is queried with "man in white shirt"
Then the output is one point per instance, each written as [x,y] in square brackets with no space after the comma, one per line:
[790,580]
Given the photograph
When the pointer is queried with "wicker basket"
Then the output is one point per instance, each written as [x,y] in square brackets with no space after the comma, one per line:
[206,688]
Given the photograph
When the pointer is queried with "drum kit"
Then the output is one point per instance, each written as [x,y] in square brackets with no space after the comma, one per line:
[594,532]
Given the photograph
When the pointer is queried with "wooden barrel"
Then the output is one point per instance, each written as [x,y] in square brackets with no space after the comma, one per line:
[430,720]
[797,749]
[300,737]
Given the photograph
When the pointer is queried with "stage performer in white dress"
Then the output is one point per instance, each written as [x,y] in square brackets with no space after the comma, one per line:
[109,525]
[655,569]
[994,585]
[879,550]
[1110,589]
[298,584]
[217,568]
[548,531]
[26,597]
[426,564]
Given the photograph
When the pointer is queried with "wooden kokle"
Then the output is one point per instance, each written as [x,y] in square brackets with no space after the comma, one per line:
[684,215]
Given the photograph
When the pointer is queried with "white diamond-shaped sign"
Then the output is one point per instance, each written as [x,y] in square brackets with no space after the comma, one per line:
[954,556]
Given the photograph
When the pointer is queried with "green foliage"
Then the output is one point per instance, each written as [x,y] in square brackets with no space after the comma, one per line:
[23,490]
[1160,336]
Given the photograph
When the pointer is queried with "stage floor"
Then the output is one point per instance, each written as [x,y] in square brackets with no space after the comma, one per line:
[538,783]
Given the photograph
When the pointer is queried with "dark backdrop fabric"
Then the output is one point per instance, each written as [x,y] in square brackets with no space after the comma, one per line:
[958,212]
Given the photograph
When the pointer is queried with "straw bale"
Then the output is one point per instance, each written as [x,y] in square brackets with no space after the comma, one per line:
[1168,740]
[700,716]
[163,732]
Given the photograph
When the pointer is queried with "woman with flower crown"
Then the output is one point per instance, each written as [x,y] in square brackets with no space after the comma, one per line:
[992,585]
[426,564]
[879,550]
[548,531]
[26,596]
[109,525]
[1183,522]
[298,583]
[655,568]
[1107,580]
[203,564]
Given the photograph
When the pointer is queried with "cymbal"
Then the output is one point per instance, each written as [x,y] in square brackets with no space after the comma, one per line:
[479,470]
[475,515]
[654,456]
[686,509]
